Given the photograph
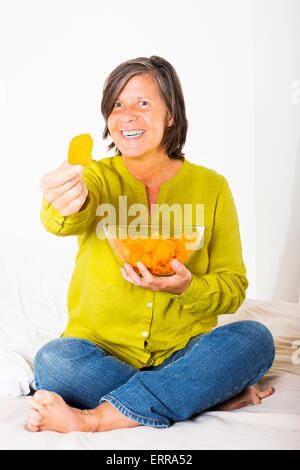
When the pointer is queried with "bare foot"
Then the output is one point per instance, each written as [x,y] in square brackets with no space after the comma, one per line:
[49,412]
[249,396]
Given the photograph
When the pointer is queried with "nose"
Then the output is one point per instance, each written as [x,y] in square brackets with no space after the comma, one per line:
[128,114]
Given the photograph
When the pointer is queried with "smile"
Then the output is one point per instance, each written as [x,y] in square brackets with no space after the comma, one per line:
[132,134]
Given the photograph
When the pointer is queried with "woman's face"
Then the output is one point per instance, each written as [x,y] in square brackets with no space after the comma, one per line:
[138,108]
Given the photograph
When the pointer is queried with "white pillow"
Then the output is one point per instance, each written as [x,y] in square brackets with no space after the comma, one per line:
[34,282]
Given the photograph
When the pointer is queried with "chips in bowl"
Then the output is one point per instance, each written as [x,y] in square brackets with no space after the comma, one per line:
[153,246]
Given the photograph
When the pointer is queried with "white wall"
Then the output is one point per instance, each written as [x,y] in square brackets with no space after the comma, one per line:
[56,57]
[277,148]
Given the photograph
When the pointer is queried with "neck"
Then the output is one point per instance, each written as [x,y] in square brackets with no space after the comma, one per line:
[151,171]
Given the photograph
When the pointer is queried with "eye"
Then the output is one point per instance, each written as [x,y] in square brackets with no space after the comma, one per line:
[117,102]
[143,101]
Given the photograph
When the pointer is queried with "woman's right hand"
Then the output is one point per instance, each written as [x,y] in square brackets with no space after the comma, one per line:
[65,189]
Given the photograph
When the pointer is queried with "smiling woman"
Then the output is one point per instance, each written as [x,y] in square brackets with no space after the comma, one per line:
[156,91]
[144,110]
[137,126]
[140,349]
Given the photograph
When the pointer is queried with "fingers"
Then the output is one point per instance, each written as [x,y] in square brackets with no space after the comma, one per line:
[65,164]
[59,177]
[145,273]
[65,189]
[147,280]
[52,194]
[131,275]
[65,194]
[176,284]
[178,267]
[72,201]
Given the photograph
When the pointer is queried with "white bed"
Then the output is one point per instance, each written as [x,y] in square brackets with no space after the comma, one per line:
[33,311]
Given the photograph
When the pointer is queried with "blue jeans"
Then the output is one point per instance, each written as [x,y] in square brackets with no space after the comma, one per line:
[212,368]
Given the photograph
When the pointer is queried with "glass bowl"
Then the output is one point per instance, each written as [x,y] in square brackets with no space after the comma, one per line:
[154,246]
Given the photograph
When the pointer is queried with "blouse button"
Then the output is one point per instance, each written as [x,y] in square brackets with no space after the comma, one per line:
[149,304]
[144,333]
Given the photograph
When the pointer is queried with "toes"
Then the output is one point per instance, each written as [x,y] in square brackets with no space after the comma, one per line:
[30,401]
[37,406]
[30,427]
[35,417]
[266,392]
[43,397]
[255,400]
[34,421]
[251,396]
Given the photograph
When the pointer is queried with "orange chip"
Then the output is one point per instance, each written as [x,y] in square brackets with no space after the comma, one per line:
[80,150]
[155,253]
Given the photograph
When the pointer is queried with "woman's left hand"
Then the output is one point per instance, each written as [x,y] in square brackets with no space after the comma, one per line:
[175,284]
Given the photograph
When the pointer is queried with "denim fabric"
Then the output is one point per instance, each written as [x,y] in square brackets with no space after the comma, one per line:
[212,368]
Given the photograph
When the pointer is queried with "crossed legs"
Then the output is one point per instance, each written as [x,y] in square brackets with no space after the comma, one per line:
[82,387]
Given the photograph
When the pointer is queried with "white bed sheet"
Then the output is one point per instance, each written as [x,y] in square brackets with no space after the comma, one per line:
[275,424]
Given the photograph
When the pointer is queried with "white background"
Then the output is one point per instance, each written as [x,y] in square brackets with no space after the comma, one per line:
[238,62]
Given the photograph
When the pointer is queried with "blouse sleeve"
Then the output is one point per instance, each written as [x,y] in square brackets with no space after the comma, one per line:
[223,288]
[75,224]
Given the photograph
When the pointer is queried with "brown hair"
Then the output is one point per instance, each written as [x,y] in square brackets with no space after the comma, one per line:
[169,88]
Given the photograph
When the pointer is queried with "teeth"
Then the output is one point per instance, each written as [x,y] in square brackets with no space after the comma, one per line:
[132,133]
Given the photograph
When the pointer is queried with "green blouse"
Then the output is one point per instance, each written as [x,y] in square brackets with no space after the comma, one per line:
[137,325]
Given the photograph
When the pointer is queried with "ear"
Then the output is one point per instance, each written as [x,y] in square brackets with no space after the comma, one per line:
[170,122]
